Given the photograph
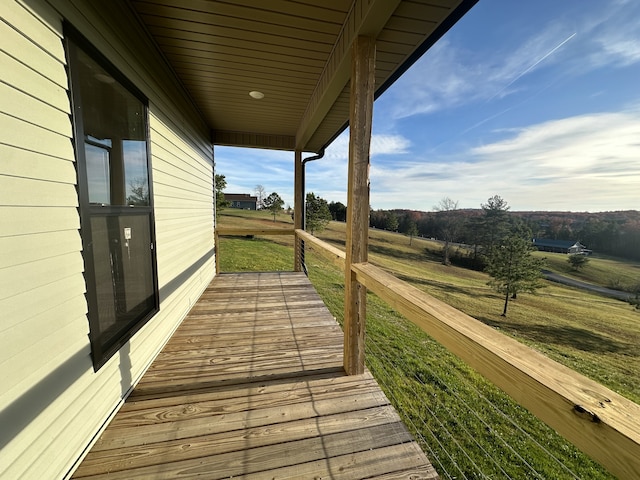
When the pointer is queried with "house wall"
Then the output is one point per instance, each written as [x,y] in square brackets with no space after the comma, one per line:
[243,205]
[52,403]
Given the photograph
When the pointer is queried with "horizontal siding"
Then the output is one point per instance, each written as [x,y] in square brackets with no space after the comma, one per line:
[41,284]
[27,164]
[22,250]
[52,401]
[32,138]
[40,301]
[28,276]
[185,183]
[18,104]
[21,374]
[21,77]
[27,192]
[23,46]
[26,220]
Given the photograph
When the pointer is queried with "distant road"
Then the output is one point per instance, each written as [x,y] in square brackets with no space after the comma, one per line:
[549,275]
[608,292]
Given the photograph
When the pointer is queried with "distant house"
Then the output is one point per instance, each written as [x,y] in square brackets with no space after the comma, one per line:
[241,200]
[560,246]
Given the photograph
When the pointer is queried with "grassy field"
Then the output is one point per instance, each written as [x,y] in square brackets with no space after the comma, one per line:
[465,424]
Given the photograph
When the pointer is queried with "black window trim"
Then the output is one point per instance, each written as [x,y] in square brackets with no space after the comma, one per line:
[100,353]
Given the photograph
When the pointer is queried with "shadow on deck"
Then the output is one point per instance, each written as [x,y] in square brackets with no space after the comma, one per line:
[251,385]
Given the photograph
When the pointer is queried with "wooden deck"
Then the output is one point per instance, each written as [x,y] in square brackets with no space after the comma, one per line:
[252,386]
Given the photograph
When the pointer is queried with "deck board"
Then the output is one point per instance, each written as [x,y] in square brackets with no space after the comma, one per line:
[251,386]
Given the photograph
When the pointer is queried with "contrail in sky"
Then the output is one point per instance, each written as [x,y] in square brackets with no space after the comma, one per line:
[550,52]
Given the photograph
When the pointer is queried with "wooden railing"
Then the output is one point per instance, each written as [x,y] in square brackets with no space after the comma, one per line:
[600,422]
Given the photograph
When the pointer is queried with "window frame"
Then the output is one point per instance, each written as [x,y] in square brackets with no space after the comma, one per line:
[101,352]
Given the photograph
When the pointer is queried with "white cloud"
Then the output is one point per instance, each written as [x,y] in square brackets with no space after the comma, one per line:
[244,168]
[328,177]
[589,162]
[381,144]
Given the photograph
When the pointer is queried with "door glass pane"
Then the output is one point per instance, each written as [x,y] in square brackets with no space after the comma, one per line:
[98,174]
[112,116]
[135,172]
[123,271]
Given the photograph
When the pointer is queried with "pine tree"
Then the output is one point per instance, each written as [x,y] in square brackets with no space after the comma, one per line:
[274,204]
[495,223]
[512,267]
[317,214]
[220,183]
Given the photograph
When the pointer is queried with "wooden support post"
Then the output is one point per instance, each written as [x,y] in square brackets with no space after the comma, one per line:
[360,120]
[298,212]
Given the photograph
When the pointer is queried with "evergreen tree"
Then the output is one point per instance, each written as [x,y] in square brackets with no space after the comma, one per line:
[317,214]
[512,267]
[274,204]
[220,183]
[495,223]
[338,211]
[577,261]
[412,230]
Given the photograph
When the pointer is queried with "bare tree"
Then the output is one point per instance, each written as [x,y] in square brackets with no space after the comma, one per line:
[449,224]
[261,194]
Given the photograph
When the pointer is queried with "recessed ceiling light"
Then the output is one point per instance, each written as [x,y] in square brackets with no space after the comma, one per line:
[256,94]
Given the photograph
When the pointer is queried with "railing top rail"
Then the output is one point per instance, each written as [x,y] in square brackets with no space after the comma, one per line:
[331,253]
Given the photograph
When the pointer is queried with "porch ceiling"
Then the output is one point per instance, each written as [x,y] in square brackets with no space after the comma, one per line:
[295,52]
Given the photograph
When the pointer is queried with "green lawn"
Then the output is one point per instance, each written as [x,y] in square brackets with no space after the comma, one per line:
[465,424]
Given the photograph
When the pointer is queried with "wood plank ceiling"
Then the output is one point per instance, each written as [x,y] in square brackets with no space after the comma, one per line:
[296,52]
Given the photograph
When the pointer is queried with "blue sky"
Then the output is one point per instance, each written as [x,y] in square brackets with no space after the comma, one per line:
[537,101]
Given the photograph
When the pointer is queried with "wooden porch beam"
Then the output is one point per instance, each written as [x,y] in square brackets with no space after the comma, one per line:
[253,140]
[366,18]
[360,121]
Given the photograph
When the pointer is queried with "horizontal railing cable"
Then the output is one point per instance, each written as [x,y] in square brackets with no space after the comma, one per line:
[421,427]
[515,425]
[419,431]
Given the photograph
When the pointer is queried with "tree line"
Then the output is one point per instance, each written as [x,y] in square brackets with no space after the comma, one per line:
[611,233]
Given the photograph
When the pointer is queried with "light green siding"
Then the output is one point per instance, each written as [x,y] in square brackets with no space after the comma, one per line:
[52,403]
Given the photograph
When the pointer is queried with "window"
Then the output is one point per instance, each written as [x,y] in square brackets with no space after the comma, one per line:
[116,212]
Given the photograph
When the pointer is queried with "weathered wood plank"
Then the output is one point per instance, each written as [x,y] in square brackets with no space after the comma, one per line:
[292,388]
[256,389]
[195,377]
[286,454]
[146,454]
